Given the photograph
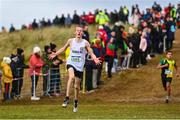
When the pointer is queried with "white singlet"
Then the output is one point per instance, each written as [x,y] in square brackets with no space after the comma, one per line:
[77,54]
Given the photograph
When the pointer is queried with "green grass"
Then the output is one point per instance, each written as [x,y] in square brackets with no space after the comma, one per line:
[92,111]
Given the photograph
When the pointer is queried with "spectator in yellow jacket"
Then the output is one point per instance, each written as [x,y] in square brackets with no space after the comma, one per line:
[102,18]
[7,78]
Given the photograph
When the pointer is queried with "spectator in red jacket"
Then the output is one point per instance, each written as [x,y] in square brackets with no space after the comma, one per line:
[110,53]
[35,64]
[167,9]
[90,18]
[83,18]
[103,35]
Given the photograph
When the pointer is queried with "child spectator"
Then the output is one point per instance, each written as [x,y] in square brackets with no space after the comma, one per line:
[110,53]
[143,48]
[15,82]
[7,78]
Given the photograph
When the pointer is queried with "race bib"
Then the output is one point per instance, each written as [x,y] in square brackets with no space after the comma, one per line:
[76,58]
[168,72]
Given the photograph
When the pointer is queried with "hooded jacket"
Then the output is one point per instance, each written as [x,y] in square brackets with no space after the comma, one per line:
[7,76]
[101,18]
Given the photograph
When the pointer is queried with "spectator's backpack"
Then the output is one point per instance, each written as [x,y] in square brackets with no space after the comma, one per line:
[172,28]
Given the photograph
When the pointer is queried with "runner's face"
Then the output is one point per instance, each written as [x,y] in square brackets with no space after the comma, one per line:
[169,55]
[79,32]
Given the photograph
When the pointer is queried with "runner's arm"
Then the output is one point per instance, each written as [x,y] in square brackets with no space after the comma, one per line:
[61,49]
[176,68]
[159,66]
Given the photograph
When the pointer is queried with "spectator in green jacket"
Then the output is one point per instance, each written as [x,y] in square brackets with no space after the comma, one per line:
[101,18]
[173,13]
[45,68]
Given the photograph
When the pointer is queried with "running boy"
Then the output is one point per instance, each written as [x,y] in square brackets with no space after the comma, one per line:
[167,65]
[75,63]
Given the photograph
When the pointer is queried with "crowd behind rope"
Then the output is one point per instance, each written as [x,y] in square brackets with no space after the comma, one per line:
[150,33]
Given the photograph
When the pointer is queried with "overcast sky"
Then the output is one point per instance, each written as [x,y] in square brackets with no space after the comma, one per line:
[20,12]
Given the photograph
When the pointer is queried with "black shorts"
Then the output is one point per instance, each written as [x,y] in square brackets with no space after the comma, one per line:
[77,73]
[169,79]
[165,80]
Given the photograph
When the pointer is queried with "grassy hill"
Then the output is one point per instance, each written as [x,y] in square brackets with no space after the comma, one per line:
[27,39]
[134,93]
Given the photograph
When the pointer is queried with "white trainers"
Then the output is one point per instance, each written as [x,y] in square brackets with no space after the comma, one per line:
[65,103]
[167,99]
[35,98]
[19,97]
[75,109]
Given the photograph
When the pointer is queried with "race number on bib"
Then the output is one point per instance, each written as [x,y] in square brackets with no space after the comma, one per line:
[168,72]
[76,58]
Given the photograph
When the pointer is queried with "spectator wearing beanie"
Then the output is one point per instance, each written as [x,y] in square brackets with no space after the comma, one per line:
[20,67]
[35,65]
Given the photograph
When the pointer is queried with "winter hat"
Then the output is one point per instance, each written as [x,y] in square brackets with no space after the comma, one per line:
[52,46]
[46,47]
[36,49]
[7,60]
[100,27]
[117,24]
[20,51]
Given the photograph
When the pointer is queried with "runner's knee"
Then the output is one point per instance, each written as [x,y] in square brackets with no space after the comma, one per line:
[77,86]
[71,78]
[168,86]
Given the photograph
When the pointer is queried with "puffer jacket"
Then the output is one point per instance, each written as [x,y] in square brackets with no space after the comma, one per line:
[7,76]
[35,63]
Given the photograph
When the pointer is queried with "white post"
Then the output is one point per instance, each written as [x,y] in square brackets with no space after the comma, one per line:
[128,59]
[84,81]
[106,67]
[34,89]
[116,64]
[124,63]
[164,43]
[34,79]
